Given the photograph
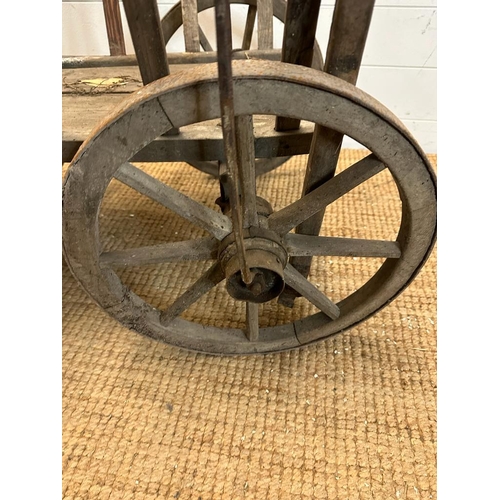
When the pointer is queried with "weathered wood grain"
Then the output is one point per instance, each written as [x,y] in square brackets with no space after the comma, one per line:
[349,30]
[179,58]
[199,288]
[190,25]
[204,42]
[215,223]
[295,280]
[144,25]
[246,163]
[307,246]
[81,81]
[298,42]
[114,28]
[267,8]
[274,89]
[234,152]
[199,249]
[249,27]
[252,321]
[286,219]
[197,142]
[172,21]
[265,24]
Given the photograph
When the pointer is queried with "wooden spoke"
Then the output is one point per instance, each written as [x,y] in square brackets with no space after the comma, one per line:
[199,288]
[252,328]
[291,216]
[216,224]
[249,26]
[190,22]
[265,28]
[296,281]
[246,165]
[205,44]
[306,246]
[199,249]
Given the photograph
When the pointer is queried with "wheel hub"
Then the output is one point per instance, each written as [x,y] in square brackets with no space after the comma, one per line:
[266,259]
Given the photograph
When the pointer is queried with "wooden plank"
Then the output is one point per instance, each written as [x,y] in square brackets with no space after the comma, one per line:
[119,80]
[305,245]
[190,25]
[215,223]
[194,146]
[298,42]
[114,28]
[173,57]
[265,24]
[196,142]
[199,249]
[77,121]
[144,24]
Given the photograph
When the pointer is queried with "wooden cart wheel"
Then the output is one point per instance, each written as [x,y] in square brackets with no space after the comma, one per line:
[172,21]
[261,87]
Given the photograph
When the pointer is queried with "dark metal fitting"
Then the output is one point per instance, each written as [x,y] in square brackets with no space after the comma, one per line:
[268,277]
[266,258]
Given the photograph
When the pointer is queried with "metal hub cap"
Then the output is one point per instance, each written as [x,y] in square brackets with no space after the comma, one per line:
[266,259]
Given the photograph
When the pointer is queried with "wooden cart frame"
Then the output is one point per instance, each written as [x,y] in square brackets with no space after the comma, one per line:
[261,254]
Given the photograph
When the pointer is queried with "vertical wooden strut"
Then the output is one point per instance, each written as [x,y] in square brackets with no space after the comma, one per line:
[190,25]
[298,43]
[144,23]
[265,20]
[249,26]
[224,60]
[114,27]
[348,33]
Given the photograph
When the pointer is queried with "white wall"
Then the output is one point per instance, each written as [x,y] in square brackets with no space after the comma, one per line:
[399,64]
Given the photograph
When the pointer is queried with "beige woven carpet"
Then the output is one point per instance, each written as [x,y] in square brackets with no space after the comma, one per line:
[352,417]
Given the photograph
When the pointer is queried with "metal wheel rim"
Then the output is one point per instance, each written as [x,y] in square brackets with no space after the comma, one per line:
[261,87]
